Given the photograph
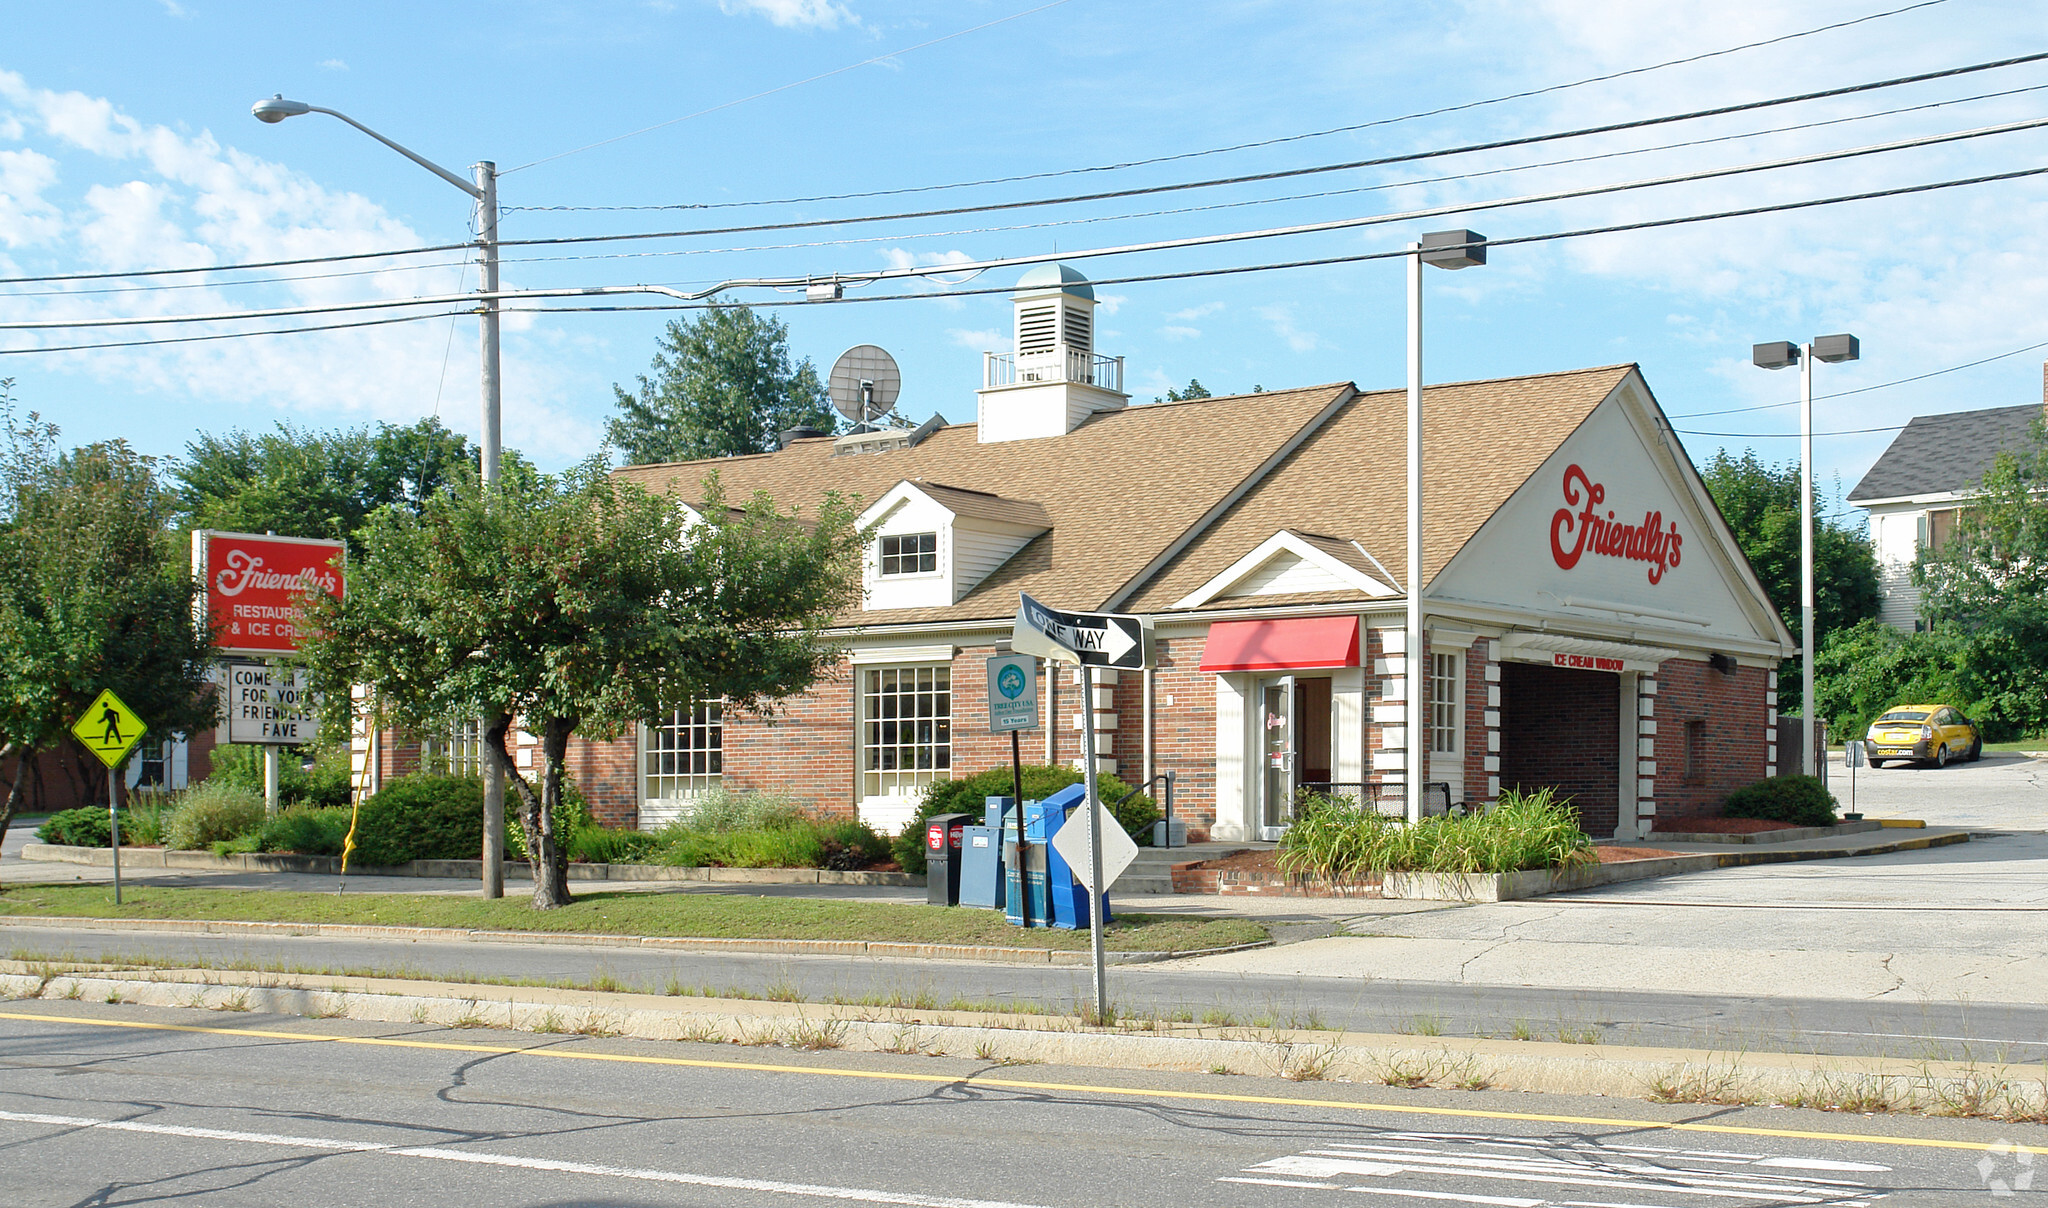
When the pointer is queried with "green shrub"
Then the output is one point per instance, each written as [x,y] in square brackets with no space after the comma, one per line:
[143,817]
[722,809]
[787,842]
[305,832]
[86,827]
[1801,800]
[851,845]
[212,813]
[572,814]
[422,818]
[598,845]
[1332,837]
[324,786]
[1135,813]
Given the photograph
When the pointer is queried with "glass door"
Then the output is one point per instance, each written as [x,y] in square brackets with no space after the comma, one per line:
[1277,755]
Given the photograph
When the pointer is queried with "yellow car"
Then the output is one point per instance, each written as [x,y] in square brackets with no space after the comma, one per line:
[1936,734]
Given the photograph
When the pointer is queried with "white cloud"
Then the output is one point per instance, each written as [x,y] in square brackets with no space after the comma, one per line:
[793,14]
[1108,303]
[25,216]
[981,340]
[333,65]
[1181,333]
[1281,319]
[175,9]
[1196,312]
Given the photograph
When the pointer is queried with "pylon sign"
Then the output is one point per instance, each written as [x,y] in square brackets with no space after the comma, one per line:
[109,729]
[253,583]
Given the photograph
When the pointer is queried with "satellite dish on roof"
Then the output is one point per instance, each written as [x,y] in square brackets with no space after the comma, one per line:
[864,383]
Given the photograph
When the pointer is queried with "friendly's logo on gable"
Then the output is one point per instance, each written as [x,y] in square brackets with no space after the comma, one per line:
[1573,534]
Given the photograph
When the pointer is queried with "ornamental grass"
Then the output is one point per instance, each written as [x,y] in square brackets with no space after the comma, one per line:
[1333,838]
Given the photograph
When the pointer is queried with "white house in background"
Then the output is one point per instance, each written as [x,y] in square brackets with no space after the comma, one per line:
[1915,490]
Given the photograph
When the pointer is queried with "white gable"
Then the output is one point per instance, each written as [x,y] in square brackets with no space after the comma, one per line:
[1284,565]
[1616,528]
[969,548]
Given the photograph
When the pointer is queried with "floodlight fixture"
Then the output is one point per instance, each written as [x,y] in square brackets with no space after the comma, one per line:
[1778,354]
[1836,349]
[1454,249]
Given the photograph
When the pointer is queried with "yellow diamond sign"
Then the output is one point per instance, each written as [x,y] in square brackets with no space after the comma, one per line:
[109,729]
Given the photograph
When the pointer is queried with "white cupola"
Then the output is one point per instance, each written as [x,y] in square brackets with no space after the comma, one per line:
[1054,380]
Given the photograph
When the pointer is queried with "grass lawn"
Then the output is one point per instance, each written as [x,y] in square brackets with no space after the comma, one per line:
[697,915]
[2024,744]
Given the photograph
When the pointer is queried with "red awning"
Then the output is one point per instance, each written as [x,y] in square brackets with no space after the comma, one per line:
[1279,645]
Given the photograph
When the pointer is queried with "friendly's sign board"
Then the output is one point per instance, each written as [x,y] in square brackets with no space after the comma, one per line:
[252,586]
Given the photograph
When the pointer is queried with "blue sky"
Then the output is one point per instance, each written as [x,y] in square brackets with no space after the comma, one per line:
[126,142]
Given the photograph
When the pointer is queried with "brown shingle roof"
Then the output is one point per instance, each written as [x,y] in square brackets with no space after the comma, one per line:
[1118,490]
[982,505]
[1349,480]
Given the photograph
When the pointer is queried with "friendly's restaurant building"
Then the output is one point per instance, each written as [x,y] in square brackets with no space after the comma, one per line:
[1591,623]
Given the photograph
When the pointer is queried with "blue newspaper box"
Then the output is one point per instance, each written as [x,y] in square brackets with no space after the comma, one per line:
[1069,896]
[981,860]
[1024,879]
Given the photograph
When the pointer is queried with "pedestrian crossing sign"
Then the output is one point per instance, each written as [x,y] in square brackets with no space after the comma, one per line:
[109,729]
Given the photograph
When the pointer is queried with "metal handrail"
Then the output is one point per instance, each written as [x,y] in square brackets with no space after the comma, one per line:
[1166,806]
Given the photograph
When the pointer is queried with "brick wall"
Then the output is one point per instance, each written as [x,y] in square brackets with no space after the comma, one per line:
[1184,733]
[804,749]
[1476,684]
[1562,728]
[1731,751]
[606,773]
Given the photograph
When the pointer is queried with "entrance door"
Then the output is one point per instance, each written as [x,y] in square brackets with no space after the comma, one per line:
[1277,756]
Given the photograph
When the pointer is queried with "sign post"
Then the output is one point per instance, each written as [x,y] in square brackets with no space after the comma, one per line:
[110,729]
[1013,706]
[1097,639]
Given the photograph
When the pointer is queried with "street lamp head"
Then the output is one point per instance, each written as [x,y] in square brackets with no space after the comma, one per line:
[1453,249]
[1775,355]
[276,109]
[1835,349]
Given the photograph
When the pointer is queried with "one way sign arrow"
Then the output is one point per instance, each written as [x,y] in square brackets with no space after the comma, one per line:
[1095,639]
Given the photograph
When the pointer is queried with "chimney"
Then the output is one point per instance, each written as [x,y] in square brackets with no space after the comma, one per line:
[1053,380]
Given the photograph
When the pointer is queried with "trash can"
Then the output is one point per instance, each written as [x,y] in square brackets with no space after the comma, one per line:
[942,838]
[981,867]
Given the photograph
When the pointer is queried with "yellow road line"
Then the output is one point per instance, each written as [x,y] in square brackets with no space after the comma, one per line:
[762,1067]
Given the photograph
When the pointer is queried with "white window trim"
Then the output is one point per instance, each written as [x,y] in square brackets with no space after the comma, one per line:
[654,811]
[1456,679]
[938,569]
[902,654]
[900,796]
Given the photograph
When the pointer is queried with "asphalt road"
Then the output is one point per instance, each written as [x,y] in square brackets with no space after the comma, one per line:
[320,1113]
[1998,792]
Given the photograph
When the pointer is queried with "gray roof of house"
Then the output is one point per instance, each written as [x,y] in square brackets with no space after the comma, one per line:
[1942,453]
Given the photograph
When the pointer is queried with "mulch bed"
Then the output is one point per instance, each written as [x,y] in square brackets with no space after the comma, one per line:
[1620,855]
[1725,826]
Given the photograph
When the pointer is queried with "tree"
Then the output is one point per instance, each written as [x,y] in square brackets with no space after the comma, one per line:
[95,593]
[1997,558]
[1761,504]
[575,602]
[722,384]
[315,484]
[1194,390]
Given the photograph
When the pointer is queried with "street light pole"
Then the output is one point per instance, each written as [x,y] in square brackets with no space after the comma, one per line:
[1444,249]
[1777,355]
[485,193]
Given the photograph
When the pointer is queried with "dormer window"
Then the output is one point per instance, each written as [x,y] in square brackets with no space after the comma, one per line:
[911,554]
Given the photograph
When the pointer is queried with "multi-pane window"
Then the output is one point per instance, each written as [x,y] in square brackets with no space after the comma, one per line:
[684,754]
[910,554]
[155,764]
[1445,701]
[459,752]
[906,729]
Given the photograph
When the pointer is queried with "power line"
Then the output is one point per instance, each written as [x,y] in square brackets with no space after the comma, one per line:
[782,88]
[1093,219]
[977,267]
[1353,258]
[226,335]
[1787,435]
[1416,156]
[1287,173]
[1269,142]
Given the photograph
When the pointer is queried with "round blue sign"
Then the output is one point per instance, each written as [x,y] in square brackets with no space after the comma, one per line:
[1010,682]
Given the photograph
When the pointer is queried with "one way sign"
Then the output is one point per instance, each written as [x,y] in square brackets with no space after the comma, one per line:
[1094,639]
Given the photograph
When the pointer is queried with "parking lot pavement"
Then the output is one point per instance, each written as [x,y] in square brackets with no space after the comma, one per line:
[2001,791]
[1941,925]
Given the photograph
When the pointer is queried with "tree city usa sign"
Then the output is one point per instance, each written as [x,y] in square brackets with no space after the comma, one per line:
[253,583]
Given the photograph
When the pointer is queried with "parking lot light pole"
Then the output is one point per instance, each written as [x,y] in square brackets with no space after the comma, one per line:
[484,192]
[1453,250]
[1779,354]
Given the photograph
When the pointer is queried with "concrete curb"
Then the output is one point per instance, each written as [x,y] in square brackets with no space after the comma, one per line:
[150,857]
[1790,835]
[456,935]
[1017,1039]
